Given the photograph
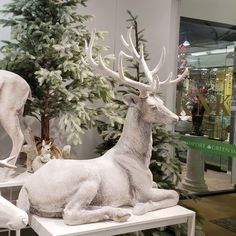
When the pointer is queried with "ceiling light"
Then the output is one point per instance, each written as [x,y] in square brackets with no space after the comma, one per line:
[186,43]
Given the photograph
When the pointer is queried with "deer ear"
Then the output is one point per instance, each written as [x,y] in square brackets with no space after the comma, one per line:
[43,143]
[131,100]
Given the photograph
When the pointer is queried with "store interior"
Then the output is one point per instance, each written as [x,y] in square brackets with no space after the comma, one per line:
[204,102]
[208,49]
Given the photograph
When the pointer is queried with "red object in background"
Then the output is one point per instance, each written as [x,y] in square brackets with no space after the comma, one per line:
[182,48]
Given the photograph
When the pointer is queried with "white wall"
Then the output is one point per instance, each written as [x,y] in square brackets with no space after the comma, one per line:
[4,32]
[160,20]
[212,10]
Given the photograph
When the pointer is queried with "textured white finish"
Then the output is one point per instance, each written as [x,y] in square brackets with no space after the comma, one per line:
[93,190]
[164,217]
[151,75]
[11,217]
[14,93]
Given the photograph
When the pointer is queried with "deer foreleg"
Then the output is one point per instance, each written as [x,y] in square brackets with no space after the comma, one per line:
[78,211]
[32,152]
[27,131]
[157,199]
[10,122]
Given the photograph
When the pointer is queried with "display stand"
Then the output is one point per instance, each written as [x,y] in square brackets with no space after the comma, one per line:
[160,218]
[194,179]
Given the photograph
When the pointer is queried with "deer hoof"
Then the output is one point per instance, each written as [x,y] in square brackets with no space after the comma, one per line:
[121,216]
[142,208]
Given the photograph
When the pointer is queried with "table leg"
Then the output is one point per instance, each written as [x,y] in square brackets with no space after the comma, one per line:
[191,225]
[17,232]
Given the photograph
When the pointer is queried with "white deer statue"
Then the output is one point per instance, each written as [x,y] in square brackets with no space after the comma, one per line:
[11,217]
[84,191]
[14,91]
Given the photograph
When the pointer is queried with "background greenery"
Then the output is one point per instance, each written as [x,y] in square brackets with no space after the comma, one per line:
[46,49]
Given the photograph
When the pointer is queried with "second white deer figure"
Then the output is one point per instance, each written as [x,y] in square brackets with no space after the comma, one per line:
[84,191]
[14,91]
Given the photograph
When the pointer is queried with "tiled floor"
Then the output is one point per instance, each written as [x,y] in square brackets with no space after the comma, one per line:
[218,180]
[214,207]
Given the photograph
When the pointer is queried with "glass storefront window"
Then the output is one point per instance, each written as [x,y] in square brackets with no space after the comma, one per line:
[204,99]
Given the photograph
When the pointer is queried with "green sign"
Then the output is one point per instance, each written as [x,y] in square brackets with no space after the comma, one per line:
[208,145]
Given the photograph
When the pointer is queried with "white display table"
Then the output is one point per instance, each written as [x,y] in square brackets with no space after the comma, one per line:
[164,217]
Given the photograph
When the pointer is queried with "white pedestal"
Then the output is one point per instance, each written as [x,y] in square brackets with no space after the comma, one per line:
[164,217]
[194,179]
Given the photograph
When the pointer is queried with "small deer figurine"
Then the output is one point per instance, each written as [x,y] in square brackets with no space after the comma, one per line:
[44,157]
[94,190]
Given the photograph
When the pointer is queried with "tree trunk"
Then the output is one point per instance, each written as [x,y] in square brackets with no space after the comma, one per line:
[45,134]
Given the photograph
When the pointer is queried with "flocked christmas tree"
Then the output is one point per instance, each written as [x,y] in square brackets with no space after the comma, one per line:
[46,50]
[165,168]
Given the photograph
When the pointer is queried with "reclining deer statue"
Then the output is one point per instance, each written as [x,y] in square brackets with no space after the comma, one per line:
[14,91]
[84,191]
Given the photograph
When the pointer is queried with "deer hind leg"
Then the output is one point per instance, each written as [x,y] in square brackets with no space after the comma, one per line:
[157,199]
[29,138]
[78,211]
[10,122]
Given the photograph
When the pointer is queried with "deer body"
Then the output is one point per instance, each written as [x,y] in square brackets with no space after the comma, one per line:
[120,177]
[94,190]
[14,91]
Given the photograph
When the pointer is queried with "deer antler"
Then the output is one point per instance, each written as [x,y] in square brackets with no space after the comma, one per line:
[103,69]
[5,162]
[144,89]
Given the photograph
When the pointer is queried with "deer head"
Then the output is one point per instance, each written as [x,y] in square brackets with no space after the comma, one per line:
[148,103]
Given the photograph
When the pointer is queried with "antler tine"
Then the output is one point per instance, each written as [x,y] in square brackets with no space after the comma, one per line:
[100,67]
[5,162]
[161,61]
[88,50]
[168,80]
[180,77]
[139,57]
[143,88]
[131,46]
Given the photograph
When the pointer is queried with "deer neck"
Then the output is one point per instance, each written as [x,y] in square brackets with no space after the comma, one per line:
[136,137]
